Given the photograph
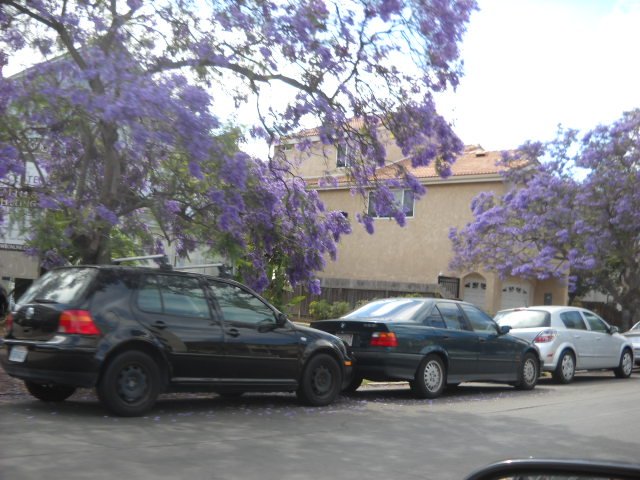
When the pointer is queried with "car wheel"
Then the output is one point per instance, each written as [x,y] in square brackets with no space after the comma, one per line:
[529,372]
[49,392]
[626,365]
[130,384]
[353,385]
[430,378]
[321,381]
[566,368]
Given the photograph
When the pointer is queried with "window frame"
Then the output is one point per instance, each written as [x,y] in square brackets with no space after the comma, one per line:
[162,283]
[344,155]
[210,285]
[401,202]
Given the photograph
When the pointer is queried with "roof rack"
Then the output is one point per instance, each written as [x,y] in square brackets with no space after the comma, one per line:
[224,270]
[160,258]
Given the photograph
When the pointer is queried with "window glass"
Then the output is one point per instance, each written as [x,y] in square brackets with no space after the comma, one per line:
[396,309]
[452,316]
[240,306]
[596,324]
[344,155]
[573,320]
[480,321]
[525,319]
[403,199]
[61,286]
[173,295]
[435,319]
[149,298]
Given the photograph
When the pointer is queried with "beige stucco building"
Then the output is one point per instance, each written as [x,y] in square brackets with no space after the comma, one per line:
[416,258]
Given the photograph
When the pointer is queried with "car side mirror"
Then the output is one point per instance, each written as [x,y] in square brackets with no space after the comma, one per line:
[504,329]
[532,469]
[613,329]
[281,319]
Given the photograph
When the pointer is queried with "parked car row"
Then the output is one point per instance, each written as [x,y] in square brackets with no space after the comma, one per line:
[133,333]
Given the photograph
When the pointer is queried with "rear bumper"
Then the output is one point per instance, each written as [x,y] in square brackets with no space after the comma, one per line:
[49,363]
[385,366]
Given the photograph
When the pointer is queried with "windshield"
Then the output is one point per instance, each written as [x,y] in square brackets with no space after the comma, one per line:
[398,309]
[59,286]
[524,319]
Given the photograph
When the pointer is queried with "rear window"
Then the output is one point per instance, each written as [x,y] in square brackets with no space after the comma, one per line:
[60,286]
[525,319]
[396,309]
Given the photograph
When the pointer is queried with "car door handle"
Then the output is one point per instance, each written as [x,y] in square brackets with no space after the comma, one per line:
[233,332]
[159,324]
[482,340]
[577,336]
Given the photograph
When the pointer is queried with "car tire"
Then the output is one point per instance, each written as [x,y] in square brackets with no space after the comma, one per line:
[430,379]
[130,384]
[566,368]
[49,392]
[626,364]
[321,381]
[353,385]
[528,372]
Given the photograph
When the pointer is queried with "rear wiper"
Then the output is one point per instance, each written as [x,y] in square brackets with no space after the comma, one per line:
[43,300]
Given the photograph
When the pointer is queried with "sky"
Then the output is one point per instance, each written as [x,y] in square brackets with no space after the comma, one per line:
[531,65]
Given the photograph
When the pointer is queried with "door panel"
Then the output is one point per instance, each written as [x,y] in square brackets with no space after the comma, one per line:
[460,343]
[498,356]
[256,349]
[578,335]
[176,310]
[606,346]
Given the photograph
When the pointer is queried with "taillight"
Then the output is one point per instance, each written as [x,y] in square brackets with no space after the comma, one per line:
[546,336]
[77,321]
[8,323]
[383,339]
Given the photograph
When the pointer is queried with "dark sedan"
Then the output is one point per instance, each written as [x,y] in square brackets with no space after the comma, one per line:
[432,343]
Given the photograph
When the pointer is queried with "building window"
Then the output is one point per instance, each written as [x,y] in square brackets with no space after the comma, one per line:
[403,199]
[344,155]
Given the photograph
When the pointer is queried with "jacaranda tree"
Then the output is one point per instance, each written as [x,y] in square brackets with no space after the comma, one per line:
[120,116]
[572,210]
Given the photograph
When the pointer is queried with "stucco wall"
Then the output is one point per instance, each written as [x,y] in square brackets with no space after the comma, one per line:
[417,252]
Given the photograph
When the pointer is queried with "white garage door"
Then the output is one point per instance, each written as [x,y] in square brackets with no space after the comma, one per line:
[515,295]
[475,288]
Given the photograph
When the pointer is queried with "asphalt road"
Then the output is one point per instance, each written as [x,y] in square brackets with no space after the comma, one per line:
[379,433]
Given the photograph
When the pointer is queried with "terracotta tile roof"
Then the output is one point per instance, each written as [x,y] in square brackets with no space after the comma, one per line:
[473,161]
[355,123]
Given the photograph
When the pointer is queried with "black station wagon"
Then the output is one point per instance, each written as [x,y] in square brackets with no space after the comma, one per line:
[432,343]
[134,333]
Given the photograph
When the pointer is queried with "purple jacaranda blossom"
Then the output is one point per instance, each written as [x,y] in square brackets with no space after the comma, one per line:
[121,127]
[554,221]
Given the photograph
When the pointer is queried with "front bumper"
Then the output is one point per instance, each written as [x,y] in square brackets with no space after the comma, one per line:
[48,362]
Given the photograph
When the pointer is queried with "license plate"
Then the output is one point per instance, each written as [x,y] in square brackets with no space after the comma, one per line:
[345,337]
[18,354]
